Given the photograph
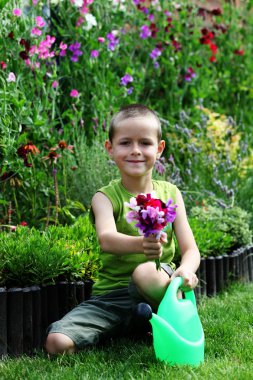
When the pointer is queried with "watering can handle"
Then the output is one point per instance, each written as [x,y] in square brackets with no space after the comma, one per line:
[174,286]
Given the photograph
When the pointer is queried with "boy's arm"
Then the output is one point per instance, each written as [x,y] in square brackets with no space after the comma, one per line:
[111,240]
[190,254]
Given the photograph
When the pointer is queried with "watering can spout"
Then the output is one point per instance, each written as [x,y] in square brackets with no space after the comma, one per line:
[178,335]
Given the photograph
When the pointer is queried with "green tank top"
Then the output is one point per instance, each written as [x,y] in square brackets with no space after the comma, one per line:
[117,269]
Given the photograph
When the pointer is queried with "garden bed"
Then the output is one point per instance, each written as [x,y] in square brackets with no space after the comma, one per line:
[215,273]
[25,313]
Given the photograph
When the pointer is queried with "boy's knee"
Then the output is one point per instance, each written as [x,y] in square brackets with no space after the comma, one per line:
[57,343]
[144,273]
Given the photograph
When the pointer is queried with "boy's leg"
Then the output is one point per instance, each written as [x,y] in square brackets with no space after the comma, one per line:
[58,343]
[152,283]
[91,322]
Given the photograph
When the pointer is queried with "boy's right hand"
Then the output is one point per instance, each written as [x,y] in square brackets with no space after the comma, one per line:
[152,247]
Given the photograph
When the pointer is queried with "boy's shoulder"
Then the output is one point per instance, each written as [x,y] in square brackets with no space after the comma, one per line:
[164,189]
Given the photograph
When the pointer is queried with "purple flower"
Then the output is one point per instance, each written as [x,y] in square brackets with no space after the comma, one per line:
[156,65]
[155,53]
[74,48]
[127,78]
[94,53]
[113,41]
[145,32]
[130,90]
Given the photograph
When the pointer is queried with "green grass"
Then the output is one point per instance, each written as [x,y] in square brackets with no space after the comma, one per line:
[228,324]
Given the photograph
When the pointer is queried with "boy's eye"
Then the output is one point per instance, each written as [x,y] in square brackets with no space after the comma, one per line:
[146,143]
[124,142]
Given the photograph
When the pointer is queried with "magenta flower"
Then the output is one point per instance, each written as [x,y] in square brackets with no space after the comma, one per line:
[151,214]
[63,48]
[74,93]
[127,78]
[101,40]
[17,12]
[190,74]
[55,84]
[36,32]
[94,53]
[40,22]
[145,32]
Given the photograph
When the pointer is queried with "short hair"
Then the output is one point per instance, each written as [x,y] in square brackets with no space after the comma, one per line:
[133,111]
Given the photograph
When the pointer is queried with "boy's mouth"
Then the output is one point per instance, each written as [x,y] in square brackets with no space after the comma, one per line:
[135,161]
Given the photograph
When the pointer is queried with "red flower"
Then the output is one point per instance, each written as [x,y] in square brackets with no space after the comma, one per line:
[213,48]
[11,35]
[63,145]
[216,12]
[155,203]
[24,150]
[212,58]
[52,156]
[3,65]
[239,52]
[23,224]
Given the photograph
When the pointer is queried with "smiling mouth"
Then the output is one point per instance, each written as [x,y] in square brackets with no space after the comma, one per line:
[135,162]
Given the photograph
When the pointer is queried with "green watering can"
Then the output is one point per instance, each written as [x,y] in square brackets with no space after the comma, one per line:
[178,335]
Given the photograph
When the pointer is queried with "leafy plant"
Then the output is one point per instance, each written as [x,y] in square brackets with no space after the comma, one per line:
[233,222]
[31,257]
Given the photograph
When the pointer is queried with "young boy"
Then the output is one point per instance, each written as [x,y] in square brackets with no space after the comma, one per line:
[129,273]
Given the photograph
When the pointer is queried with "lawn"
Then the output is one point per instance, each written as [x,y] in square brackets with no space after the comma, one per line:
[228,324]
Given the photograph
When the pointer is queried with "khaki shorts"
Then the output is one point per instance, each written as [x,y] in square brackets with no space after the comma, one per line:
[101,317]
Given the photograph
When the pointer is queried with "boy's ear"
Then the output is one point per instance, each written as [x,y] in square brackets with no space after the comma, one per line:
[108,147]
[160,148]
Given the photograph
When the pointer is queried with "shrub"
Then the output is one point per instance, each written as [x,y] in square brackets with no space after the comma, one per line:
[233,222]
[29,256]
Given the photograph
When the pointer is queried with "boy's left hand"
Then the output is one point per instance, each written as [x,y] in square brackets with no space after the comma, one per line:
[190,278]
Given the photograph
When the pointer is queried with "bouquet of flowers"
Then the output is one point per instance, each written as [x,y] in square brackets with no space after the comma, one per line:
[151,214]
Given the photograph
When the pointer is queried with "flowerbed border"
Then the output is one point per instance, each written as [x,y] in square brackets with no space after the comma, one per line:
[215,273]
[25,313]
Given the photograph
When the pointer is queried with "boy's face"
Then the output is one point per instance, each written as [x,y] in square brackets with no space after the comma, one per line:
[135,146]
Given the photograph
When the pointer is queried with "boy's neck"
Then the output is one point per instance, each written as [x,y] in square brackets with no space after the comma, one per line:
[138,185]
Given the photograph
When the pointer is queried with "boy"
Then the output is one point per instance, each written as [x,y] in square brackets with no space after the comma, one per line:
[129,273]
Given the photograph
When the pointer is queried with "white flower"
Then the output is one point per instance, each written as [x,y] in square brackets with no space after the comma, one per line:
[78,3]
[11,77]
[91,21]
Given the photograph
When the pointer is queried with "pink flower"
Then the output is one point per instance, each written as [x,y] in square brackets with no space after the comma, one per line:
[11,77]
[74,93]
[35,2]
[101,40]
[36,32]
[63,46]
[40,22]
[17,12]
[55,84]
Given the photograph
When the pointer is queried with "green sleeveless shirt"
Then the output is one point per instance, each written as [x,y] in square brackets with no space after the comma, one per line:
[117,269]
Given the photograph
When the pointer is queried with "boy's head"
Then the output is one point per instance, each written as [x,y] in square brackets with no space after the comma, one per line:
[130,112]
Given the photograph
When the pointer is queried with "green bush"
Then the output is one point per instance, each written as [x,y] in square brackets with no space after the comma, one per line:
[210,241]
[28,256]
[233,222]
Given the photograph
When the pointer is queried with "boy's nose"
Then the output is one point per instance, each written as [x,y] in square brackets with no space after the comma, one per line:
[136,149]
